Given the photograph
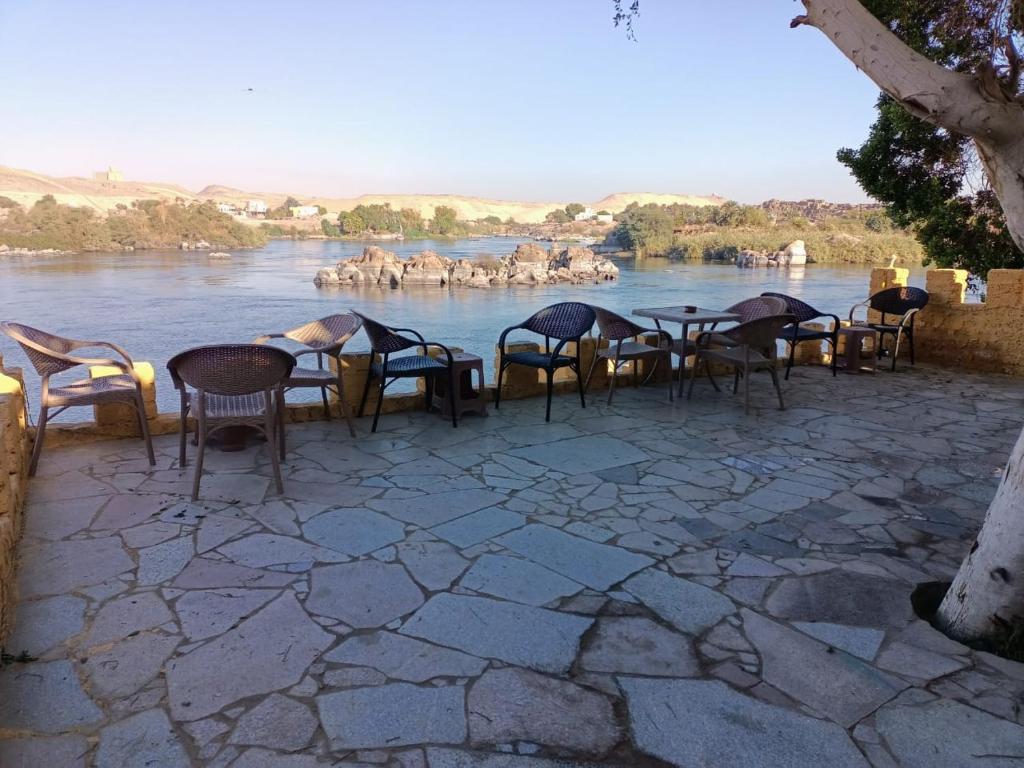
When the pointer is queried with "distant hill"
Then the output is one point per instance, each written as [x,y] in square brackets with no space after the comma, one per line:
[25,187]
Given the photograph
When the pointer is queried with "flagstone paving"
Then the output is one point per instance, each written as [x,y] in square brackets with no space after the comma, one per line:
[646,585]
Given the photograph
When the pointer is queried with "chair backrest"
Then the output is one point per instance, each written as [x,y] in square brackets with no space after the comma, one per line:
[328,334]
[383,339]
[801,310]
[898,300]
[231,369]
[38,345]
[758,307]
[615,327]
[567,320]
[760,333]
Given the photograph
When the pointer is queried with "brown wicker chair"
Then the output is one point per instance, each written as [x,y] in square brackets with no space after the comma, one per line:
[324,338]
[563,322]
[50,354]
[746,348]
[797,333]
[235,385]
[628,348]
[384,341]
[758,307]
[902,302]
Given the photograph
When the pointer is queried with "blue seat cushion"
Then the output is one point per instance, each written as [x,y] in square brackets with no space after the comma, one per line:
[410,365]
[538,360]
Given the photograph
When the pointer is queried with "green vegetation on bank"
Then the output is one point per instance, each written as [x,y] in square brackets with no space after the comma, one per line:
[146,224]
[720,232]
[382,219]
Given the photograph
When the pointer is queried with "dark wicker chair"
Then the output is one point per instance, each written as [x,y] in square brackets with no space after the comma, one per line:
[386,341]
[324,338]
[235,385]
[50,355]
[902,303]
[747,347]
[796,333]
[563,322]
[757,307]
[628,348]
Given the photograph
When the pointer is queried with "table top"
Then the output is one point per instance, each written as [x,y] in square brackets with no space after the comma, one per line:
[678,315]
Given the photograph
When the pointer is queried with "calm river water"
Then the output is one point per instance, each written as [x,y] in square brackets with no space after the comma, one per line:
[157,303]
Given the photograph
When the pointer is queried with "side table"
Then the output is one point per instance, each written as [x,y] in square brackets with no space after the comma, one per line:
[857,358]
[467,399]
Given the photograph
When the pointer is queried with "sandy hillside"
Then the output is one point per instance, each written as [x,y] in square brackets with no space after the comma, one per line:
[25,187]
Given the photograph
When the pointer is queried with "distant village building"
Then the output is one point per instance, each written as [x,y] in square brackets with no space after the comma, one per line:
[226,208]
[304,211]
[111,174]
[585,215]
[604,218]
[256,208]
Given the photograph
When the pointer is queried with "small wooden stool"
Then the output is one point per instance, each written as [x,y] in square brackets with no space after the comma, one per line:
[859,359]
[467,399]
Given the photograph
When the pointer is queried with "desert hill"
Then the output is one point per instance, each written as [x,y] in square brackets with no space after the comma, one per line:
[25,187]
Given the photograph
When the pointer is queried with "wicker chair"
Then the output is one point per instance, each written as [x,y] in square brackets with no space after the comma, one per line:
[386,341]
[625,333]
[796,333]
[325,338]
[235,385]
[903,302]
[564,322]
[746,348]
[757,307]
[50,354]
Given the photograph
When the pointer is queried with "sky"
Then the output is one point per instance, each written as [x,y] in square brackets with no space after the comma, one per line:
[518,100]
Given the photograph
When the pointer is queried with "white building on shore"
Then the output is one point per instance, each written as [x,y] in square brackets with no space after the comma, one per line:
[256,208]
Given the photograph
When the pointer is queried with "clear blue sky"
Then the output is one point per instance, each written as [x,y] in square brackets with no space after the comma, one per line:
[518,100]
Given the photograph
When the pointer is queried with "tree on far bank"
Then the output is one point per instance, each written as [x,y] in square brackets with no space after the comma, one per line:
[557,216]
[351,223]
[646,229]
[445,220]
[574,208]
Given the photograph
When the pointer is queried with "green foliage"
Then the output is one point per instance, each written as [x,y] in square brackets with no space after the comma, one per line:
[494,221]
[329,229]
[646,229]
[321,211]
[6,202]
[557,216]
[351,223]
[412,223]
[603,212]
[573,208]
[444,221]
[376,218]
[147,224]
[864,248]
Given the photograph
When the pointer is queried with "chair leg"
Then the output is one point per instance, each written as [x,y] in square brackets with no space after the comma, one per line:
[835,352]
[343,406]
[895,348]
[37,444]
[380,402]
[182,439]
[271,422]
[428,391]
[140,410]
[746,388]
[551,384]
[451,397]
[497,391]
[696,364]
[590,372]
[792,357]
[579,385]
[668,364]
[327,406]
[201,436]
[778,389]
[910,341]
[366,392]
[707,370]
[736,381]
[682,369]
[279,416]
[611,381]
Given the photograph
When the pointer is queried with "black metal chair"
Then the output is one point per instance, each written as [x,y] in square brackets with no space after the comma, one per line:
[563,322]
[385,341]
[796,333]
[903,302]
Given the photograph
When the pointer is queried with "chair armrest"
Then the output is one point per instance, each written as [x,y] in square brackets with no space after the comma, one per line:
[504,335]
[417,334]
[442,347]
[908,315]
[107,345]
[855,307]
[267,337]
[707,338]
[125,367]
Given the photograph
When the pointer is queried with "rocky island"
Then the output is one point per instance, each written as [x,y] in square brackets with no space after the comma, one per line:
[530,264]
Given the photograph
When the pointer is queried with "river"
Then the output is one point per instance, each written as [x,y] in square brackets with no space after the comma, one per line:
[157,303]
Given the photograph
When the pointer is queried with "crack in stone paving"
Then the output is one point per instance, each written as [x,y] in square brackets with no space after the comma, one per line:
[750,579]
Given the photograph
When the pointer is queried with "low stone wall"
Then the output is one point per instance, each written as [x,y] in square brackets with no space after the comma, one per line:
[986,337]
[13,476]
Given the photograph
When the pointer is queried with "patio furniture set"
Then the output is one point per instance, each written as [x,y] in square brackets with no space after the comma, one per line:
[228,385]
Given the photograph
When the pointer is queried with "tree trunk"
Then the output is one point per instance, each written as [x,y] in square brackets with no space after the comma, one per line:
[987,596]
[956,101]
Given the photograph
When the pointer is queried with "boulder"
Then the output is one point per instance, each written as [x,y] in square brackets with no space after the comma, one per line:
[427,268]
[795,254]
[372,262]
[530,253]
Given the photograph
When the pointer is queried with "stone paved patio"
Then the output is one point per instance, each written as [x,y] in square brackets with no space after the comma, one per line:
[642,585]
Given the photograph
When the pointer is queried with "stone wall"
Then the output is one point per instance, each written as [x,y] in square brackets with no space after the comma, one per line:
[986,337]
[13,477]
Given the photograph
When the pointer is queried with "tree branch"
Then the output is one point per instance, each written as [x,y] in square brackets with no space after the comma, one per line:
[955,101]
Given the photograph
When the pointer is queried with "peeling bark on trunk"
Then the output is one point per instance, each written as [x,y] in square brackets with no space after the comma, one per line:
[987,596]
[957,101]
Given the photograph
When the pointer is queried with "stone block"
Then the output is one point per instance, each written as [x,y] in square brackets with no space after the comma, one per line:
[119,419]
[882,278]
[810,352]
[946,286]
[1005,288]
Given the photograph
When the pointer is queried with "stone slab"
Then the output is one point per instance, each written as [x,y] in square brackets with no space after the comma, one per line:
[599,566]
[259,550]
[206,613]
[363,594]
[125,615]
[478,526]
[44,697]
[686,605]
[405,658]
[635,645]
[395,715]
[39,625]
[128,665]
[436,508]
[842,597]
[144,739]
[58,567]
[582,454]
[706,723]
[353,531]
[519,580]
[862,642]
[63,751]
[440,757]
[277,722]
[518,634]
